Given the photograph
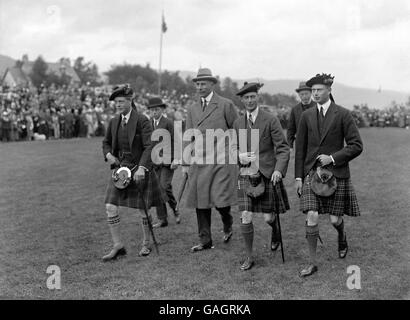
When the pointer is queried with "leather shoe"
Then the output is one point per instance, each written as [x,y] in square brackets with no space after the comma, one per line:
[161,224]
[308,271]
[343,248]
[227,236]
[145,251]
[201,247]
[247,264]
[114,254]
[274,245]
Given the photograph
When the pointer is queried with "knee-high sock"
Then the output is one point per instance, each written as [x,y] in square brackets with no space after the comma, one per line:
[275,228]
[340,230]
[312,234]
[146,231]
[247,233]
[114,224]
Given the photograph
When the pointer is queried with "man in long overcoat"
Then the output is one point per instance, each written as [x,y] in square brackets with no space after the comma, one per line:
[211,183]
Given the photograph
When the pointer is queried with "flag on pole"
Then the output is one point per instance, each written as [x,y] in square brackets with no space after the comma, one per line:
[164,25]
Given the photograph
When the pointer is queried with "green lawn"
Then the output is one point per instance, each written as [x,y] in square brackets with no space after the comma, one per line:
[52,213]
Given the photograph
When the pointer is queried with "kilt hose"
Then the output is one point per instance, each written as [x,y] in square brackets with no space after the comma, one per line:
[154,195]
[342,202]
[273,200]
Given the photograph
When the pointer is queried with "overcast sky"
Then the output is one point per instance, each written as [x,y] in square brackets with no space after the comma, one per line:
[364,43]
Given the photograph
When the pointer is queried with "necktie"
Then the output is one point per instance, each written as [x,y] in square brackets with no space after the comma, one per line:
[124,122]
[250,120]
[321,120]
[203,104]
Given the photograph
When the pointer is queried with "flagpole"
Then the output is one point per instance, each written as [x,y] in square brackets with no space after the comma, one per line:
[160,55]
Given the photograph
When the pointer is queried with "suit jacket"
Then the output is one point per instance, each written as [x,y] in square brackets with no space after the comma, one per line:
[273,149]
[339,127]
[212,185]
[294,120]
[166,124]
[139,135]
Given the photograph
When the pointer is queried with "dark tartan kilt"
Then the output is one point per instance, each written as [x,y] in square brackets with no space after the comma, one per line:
[342,202]
[130,197]
[274,199]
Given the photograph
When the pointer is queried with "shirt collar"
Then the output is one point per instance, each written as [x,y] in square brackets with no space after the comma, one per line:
[156,121]
[254,114]
[325,106]
[127,116]
[208,97]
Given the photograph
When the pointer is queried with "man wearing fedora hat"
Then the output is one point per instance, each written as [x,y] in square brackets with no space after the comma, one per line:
[305,95]
[327,138]
[164,172]
[210,185]
[127,142]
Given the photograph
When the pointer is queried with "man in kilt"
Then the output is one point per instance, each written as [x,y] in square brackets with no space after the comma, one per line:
[127,142]
[328,138]
[262,163]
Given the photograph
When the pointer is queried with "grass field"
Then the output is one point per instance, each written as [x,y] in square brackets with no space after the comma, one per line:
[52,213]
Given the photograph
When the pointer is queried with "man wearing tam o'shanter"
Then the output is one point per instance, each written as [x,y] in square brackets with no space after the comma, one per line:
[327,141]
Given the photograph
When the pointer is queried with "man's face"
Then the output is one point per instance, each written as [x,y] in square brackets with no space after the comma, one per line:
[204,88]
[123,105]
[157,112]
[321,93]
[305,96]
[250,101]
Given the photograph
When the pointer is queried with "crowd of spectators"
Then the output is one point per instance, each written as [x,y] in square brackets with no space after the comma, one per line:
[71,112]
[68,112]
[395,116]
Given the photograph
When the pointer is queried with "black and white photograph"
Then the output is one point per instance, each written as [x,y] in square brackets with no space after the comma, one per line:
[204,155]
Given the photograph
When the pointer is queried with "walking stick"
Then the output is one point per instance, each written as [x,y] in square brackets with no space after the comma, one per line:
[141,191]
[281,242]
[280,235]
[181,191]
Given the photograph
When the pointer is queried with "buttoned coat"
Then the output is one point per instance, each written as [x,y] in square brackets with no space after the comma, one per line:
[212,185]
[294,119]
[273,150]
[139,132]
[340,139]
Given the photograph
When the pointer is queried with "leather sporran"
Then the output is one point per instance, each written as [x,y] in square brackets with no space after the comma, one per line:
[323,182]
[256,186]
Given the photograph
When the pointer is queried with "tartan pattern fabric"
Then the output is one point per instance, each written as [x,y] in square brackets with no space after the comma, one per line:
[114,220]
[130,197]
[274,199]
[342,202]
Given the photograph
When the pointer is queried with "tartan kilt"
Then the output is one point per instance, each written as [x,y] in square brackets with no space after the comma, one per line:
[130,197]
[273,200]
[342,202]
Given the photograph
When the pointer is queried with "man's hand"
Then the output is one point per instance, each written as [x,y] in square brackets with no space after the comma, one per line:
[298,187]
[139,174]
[276,177]
[112,160]
[324,160]
[247,157]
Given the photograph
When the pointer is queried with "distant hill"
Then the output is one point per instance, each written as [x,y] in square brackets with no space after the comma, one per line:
[5,62]
[344,95]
